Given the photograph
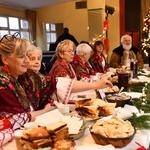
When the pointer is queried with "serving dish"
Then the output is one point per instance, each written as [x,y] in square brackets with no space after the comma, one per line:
[119,99]
[116,142]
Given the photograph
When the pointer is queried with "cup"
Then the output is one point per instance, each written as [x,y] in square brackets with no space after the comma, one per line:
[123,79]
[64,109]
[134,68]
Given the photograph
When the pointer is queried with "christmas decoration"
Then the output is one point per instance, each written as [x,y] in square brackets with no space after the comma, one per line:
[145,41]
[142,104]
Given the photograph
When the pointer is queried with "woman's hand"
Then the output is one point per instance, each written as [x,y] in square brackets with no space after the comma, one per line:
[105,81]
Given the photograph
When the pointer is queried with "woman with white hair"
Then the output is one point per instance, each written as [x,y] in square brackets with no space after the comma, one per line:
[80,63]
[63,68]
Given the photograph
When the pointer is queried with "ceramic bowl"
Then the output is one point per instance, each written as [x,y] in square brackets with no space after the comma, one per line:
[119,102]
[116,142]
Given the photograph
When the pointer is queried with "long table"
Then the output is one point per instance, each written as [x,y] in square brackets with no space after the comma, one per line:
[86,142]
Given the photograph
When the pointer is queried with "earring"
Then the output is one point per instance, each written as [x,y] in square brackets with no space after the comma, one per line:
[6,68]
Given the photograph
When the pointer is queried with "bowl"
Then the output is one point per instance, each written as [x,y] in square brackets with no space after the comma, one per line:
[116,142]
[119,99]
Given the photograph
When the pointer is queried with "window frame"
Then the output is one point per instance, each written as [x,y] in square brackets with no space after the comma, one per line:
[47,44]
[19,23]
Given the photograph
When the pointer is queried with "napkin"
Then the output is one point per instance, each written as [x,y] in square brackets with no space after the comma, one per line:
[74,123]
[144,79]
[123,113]
[49,117]
[133,94]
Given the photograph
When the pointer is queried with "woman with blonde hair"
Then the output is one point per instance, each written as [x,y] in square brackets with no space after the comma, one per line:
[63,68]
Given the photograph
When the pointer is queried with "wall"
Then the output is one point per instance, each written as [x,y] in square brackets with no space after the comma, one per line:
[75,20]
[114,26]
[12,12]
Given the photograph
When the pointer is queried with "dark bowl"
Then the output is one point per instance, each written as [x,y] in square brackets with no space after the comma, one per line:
[116,142]
[119,103]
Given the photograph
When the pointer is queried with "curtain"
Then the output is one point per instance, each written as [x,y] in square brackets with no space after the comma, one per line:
[145,4]
[31,17]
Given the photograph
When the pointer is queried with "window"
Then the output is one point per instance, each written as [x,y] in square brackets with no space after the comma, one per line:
[10,25]
[50,34]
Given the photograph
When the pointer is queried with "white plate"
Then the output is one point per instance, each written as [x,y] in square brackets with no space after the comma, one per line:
[92,119]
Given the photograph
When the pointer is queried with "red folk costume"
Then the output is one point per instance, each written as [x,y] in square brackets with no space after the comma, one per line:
[60,69]
[82,70]
[96,61]
[15,103]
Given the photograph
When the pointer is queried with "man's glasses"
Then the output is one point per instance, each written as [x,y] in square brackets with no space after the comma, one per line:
[10,37]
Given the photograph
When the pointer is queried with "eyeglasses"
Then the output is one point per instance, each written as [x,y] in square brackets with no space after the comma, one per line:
[70,51]
[11,37]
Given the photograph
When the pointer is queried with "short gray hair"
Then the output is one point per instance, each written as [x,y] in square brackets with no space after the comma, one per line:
[124,36]
[83,48]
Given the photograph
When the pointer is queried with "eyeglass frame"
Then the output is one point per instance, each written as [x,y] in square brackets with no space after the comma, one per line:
[13,36]
[69,51]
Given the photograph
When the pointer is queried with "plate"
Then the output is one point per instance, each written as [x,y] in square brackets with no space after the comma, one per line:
[77,136]
[92,119]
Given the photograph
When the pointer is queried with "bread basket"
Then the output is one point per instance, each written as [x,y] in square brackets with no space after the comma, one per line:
[116,142]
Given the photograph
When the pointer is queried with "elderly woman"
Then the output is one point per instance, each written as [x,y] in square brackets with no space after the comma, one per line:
[63,68]
[18,106]
[80,63]
[21,105]
[35,59]
[97,60]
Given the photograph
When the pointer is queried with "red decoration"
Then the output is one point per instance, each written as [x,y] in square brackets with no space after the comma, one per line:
[6,122]
[106,44]
[106,24]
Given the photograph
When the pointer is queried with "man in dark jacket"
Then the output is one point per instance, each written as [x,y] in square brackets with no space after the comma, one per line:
[66,35]
[122,55]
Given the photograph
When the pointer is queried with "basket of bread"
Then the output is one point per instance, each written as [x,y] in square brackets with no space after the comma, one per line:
[94,108]
[114,131]
[119,98]
[51,137]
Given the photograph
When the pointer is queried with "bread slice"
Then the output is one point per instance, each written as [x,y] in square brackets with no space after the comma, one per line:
[35,133]
[36,144]
[88,111]
[63,133]
[52,128]
[94,108]
[34,138]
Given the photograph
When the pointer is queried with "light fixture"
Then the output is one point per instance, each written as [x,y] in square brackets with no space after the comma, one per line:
[109,10]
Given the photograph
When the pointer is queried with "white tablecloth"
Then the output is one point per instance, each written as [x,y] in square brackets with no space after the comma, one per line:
[87,142]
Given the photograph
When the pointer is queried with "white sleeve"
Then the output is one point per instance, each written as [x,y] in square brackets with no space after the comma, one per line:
[63,88]
[6,135]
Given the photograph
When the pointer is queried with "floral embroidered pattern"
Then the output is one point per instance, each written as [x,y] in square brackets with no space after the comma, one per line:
[82,70]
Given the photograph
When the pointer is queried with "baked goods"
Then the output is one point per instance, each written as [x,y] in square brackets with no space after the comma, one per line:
[114,89]
[113,128]
[58,131]
[94,108]
[64,144]
[34,138]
